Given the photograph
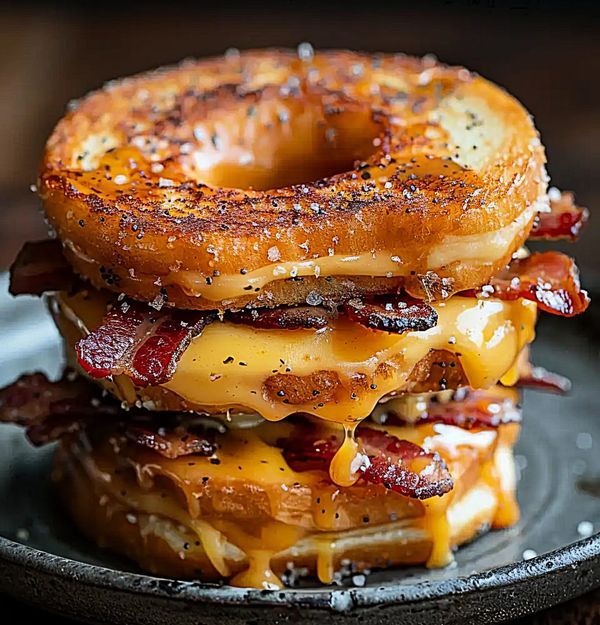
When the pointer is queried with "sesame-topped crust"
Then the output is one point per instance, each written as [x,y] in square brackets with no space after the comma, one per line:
[229,181]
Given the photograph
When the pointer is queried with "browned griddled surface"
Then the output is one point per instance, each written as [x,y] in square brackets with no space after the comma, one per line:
[225,166]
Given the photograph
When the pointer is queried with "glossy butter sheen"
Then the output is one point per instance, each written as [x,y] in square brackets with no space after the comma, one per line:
[487,334]
[228,364]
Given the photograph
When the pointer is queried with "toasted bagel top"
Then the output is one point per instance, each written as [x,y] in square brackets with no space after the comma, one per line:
[222,182]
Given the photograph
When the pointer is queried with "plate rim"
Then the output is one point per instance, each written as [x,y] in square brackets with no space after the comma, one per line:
[585,551]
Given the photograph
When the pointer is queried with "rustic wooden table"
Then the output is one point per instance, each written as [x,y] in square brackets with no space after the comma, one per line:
[545,53]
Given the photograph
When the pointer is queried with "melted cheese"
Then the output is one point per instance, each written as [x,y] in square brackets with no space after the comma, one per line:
[435,522]
[344,468]
[501,474]
[475,250]
[297,513]
[228,364]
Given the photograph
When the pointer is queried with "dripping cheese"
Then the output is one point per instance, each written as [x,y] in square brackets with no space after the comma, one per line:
[229,366]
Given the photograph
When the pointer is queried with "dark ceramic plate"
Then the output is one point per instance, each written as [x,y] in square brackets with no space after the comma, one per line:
[45,562]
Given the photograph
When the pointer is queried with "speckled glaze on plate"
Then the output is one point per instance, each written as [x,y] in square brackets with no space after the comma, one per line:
[44,561]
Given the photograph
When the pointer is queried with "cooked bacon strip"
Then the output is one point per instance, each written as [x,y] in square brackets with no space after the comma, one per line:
[392,313]
[304,450]
[389,313]
[565,220]
[544,380]
[172,443]
[283,317]
[139,342]
[40,266]
[398,465]
[48,410]
[145,345]
[550,279]
[403,467]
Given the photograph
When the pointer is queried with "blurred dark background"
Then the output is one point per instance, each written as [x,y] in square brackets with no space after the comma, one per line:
[545,53]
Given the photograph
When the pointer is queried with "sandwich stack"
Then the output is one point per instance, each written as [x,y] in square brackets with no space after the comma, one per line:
[296,307]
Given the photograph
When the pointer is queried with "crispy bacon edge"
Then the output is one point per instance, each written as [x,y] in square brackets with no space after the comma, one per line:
[283,317]
[40,266]
[50,410]
[393,313]
[390,465]
[551,279]
[171,443]
[389,461]
[564,220]
[140,342]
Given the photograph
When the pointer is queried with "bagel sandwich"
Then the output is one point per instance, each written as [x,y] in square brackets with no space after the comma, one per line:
[296,301]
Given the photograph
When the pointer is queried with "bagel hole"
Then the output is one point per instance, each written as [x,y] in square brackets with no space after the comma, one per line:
[277,144]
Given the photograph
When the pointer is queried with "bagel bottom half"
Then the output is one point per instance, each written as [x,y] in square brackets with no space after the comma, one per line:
[194,519]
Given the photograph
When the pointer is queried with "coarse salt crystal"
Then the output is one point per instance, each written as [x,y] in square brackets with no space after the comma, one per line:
[554,194]
[305,51]
[585,529]
[273,254]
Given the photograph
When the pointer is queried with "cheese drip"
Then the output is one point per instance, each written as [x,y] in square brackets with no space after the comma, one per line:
[435,522]
[229,366]
[345,465]
[205,509]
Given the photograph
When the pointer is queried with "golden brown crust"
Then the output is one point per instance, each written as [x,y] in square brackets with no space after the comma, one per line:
[438,371]
[133,177]
[118,515]
[112,530]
